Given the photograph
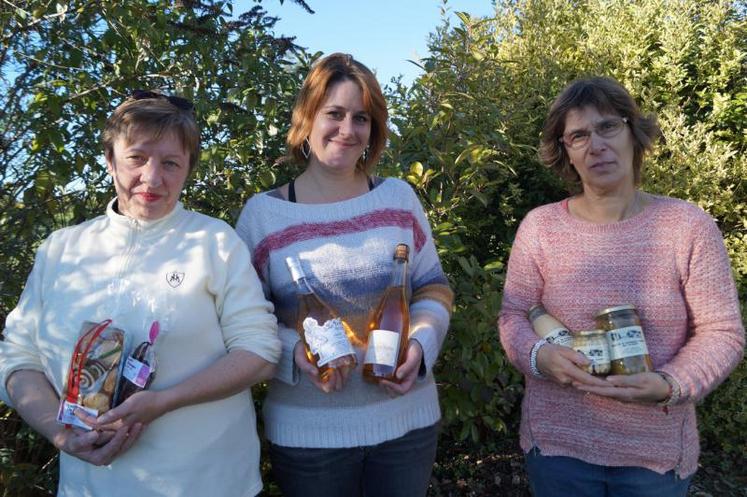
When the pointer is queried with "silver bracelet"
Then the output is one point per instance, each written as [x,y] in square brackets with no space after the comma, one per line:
[533,359]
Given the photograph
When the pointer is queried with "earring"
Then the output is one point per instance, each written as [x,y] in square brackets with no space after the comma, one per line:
[306,148]
[365,154]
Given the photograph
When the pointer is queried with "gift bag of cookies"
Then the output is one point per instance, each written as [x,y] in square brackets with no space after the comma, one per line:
[94,372]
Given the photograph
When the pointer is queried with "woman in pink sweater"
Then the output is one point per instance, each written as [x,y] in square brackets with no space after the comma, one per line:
[613,244]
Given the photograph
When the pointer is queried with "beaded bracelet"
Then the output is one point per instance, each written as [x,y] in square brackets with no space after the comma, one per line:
[533,359]
[674,391]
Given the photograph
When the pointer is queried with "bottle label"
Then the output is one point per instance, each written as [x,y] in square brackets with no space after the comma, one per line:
[136,371]
[560,336]
[626,342]
[328,341]
[596,351]
[383,346]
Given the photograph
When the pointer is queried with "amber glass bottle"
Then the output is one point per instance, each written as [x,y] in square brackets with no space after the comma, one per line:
[389,326]
[320,328]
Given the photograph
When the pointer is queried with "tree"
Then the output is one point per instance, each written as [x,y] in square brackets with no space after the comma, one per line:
[65,66]
[466,138]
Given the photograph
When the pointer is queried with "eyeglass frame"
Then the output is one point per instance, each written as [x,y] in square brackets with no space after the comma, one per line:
[595,129]
[178,102]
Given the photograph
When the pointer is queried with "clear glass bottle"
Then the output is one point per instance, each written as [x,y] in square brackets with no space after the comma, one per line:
[593,345]
[628,350]
[321,329]
[389,326]
[548,327]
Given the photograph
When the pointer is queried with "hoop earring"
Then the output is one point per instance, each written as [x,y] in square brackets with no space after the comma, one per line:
[306,148]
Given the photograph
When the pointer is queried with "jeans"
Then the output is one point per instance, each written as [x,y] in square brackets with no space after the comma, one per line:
[558,476]
[396,468]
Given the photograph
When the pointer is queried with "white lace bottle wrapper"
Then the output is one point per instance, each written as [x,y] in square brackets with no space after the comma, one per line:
[560,336]
[328,341]
[382,348]
[626,342]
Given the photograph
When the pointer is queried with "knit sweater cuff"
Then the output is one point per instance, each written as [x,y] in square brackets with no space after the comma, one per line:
[428,340]
[287,371]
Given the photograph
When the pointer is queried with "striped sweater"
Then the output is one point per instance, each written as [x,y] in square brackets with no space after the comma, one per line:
[346,249]
[669,261]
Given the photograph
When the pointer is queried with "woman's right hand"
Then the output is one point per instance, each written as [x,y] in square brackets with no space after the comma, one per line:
[99,448]
[563,365]
[336,380]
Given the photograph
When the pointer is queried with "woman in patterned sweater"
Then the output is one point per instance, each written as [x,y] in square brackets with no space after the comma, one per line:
[343,224]
[614,244]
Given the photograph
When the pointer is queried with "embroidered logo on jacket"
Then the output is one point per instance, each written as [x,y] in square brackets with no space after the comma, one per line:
[174,278]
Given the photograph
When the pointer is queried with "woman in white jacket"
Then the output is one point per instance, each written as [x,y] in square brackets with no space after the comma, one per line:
[193,432]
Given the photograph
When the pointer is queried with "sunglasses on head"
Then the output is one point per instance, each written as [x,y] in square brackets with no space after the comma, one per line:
[178,102]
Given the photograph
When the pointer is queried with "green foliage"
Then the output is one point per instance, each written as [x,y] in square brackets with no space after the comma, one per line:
[466,135]
[66,65]
[723,417]
[479,389]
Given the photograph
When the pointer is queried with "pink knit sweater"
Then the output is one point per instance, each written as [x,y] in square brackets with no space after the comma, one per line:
[670,262]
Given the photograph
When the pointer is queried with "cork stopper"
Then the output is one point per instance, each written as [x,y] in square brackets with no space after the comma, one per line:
[402,251]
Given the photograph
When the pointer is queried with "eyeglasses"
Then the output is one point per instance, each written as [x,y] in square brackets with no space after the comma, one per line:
[178,102]
[606,128]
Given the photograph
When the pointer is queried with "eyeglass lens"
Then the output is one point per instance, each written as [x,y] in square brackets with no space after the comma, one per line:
[606,128]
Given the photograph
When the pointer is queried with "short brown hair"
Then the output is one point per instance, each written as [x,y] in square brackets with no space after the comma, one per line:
[326,73]
[155,116]
[606,95]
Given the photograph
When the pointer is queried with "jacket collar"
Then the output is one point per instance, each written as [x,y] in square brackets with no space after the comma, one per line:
[146,226]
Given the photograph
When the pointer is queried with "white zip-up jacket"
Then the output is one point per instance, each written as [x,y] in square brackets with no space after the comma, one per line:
[194,275]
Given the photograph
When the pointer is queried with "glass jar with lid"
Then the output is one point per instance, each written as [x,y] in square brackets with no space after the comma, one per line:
[627,344]
[593,344]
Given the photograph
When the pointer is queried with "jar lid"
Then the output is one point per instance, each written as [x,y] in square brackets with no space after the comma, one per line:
[589,333]
[609,310]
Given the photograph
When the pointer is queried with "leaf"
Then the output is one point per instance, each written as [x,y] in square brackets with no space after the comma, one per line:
[267,178]
[464,17]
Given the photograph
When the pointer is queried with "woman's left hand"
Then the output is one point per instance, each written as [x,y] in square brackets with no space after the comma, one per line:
[644,388]
[407,373]
[142,407]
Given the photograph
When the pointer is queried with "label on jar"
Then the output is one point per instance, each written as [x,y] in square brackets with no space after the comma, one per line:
[560,336]
[328,341]
[626,342]
[596,352]
[383,346]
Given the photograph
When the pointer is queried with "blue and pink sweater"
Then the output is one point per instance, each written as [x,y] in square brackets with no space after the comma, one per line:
[346,251]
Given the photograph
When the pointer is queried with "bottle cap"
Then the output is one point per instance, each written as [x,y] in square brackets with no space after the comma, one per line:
[609,310]
[401,251]
[294,266]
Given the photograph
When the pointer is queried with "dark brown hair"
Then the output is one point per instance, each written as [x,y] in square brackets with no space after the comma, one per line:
[606,95]
[327,72]
[154,116]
